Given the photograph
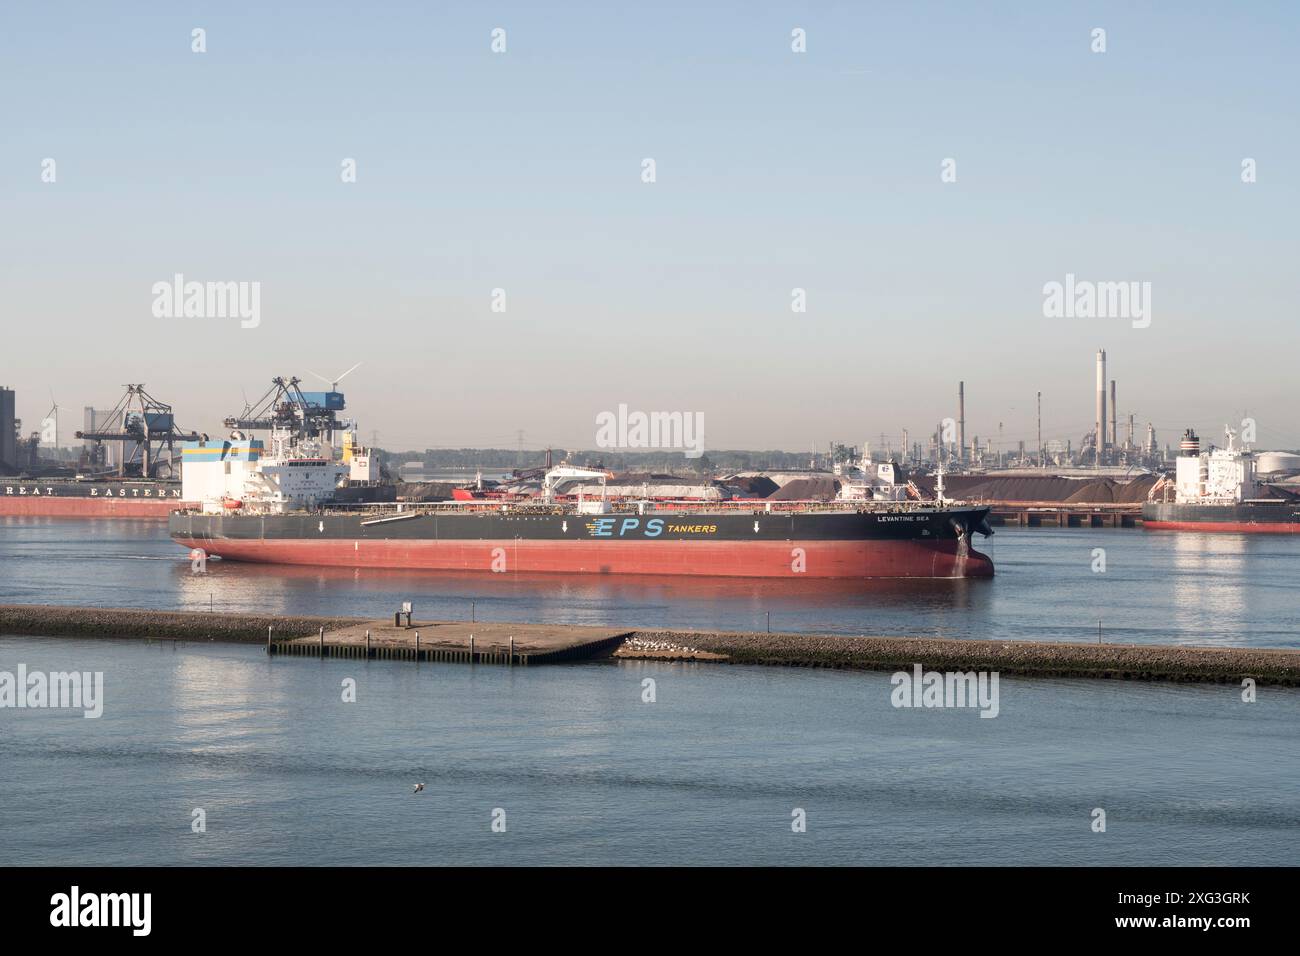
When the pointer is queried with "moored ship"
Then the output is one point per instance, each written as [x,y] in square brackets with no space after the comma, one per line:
[279,509]
[91,498]
[1218,491]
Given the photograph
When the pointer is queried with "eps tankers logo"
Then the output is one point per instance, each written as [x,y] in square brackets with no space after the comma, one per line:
[652,528]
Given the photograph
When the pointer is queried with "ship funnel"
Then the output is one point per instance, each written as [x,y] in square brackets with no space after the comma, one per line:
[1190,445]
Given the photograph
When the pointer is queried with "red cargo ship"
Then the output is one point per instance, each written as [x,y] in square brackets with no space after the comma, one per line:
[906,541]
[1219,491]
[285,513]
[63,497]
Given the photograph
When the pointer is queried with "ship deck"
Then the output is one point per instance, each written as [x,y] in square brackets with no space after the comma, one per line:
[397,510]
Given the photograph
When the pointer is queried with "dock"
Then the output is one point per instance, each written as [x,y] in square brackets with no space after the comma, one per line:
[456,642]
[1049,514]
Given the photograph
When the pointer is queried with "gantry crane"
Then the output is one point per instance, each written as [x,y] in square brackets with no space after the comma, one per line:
[146,427]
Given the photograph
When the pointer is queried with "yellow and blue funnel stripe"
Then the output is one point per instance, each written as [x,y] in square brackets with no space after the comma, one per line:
[226,451]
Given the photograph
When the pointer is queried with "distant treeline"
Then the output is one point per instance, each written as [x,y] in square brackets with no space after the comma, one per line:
[507,459]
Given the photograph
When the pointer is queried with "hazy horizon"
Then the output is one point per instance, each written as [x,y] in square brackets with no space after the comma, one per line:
[774,171]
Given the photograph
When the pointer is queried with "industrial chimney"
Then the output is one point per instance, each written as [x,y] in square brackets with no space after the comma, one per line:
[1041,463]
[1114,429]
[1101,405]
[961,421]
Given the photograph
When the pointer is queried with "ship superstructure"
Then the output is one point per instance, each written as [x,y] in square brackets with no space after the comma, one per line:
[1219,490]
[239,473]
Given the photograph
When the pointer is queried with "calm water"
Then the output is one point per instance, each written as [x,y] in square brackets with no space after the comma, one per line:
[586,773]
[1166,588]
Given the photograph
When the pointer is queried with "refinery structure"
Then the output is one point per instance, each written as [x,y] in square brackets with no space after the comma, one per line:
[1100,449]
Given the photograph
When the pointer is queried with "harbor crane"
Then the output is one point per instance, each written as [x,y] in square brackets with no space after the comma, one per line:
[146,427]
[286,408]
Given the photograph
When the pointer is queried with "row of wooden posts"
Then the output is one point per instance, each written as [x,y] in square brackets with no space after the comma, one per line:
[391,653]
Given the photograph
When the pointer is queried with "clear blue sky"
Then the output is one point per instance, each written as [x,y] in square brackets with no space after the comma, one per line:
[775,170]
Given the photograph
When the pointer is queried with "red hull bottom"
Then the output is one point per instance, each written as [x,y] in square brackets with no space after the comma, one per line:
[52,507]
[784,559]
[1234,527]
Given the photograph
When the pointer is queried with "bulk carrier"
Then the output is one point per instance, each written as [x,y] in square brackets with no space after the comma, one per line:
[280,508]
[1218,491]
[90,498]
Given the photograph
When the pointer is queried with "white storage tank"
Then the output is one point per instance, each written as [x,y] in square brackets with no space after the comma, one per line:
[1272,462]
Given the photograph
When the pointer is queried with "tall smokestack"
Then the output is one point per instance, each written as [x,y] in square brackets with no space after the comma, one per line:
[961,421]
[1040,430]
[1114,429]
[1101,405]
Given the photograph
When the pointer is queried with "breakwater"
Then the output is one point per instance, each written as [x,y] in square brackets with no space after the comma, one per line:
[498,642]
[1172,662]
[63,621]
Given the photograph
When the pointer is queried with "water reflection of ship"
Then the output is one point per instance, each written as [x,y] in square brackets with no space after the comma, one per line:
[1208,599]
[608,591]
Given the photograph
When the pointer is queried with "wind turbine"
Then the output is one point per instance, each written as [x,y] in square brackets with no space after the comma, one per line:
[334,385]
[52,417]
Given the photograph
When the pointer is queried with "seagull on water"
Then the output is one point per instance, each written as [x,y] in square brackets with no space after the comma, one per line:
[418,788]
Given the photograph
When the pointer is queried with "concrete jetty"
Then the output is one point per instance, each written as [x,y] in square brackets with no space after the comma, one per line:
[526,644]
[458,641]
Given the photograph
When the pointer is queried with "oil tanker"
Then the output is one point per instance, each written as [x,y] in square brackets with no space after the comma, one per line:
[279,509]
[1218,491]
